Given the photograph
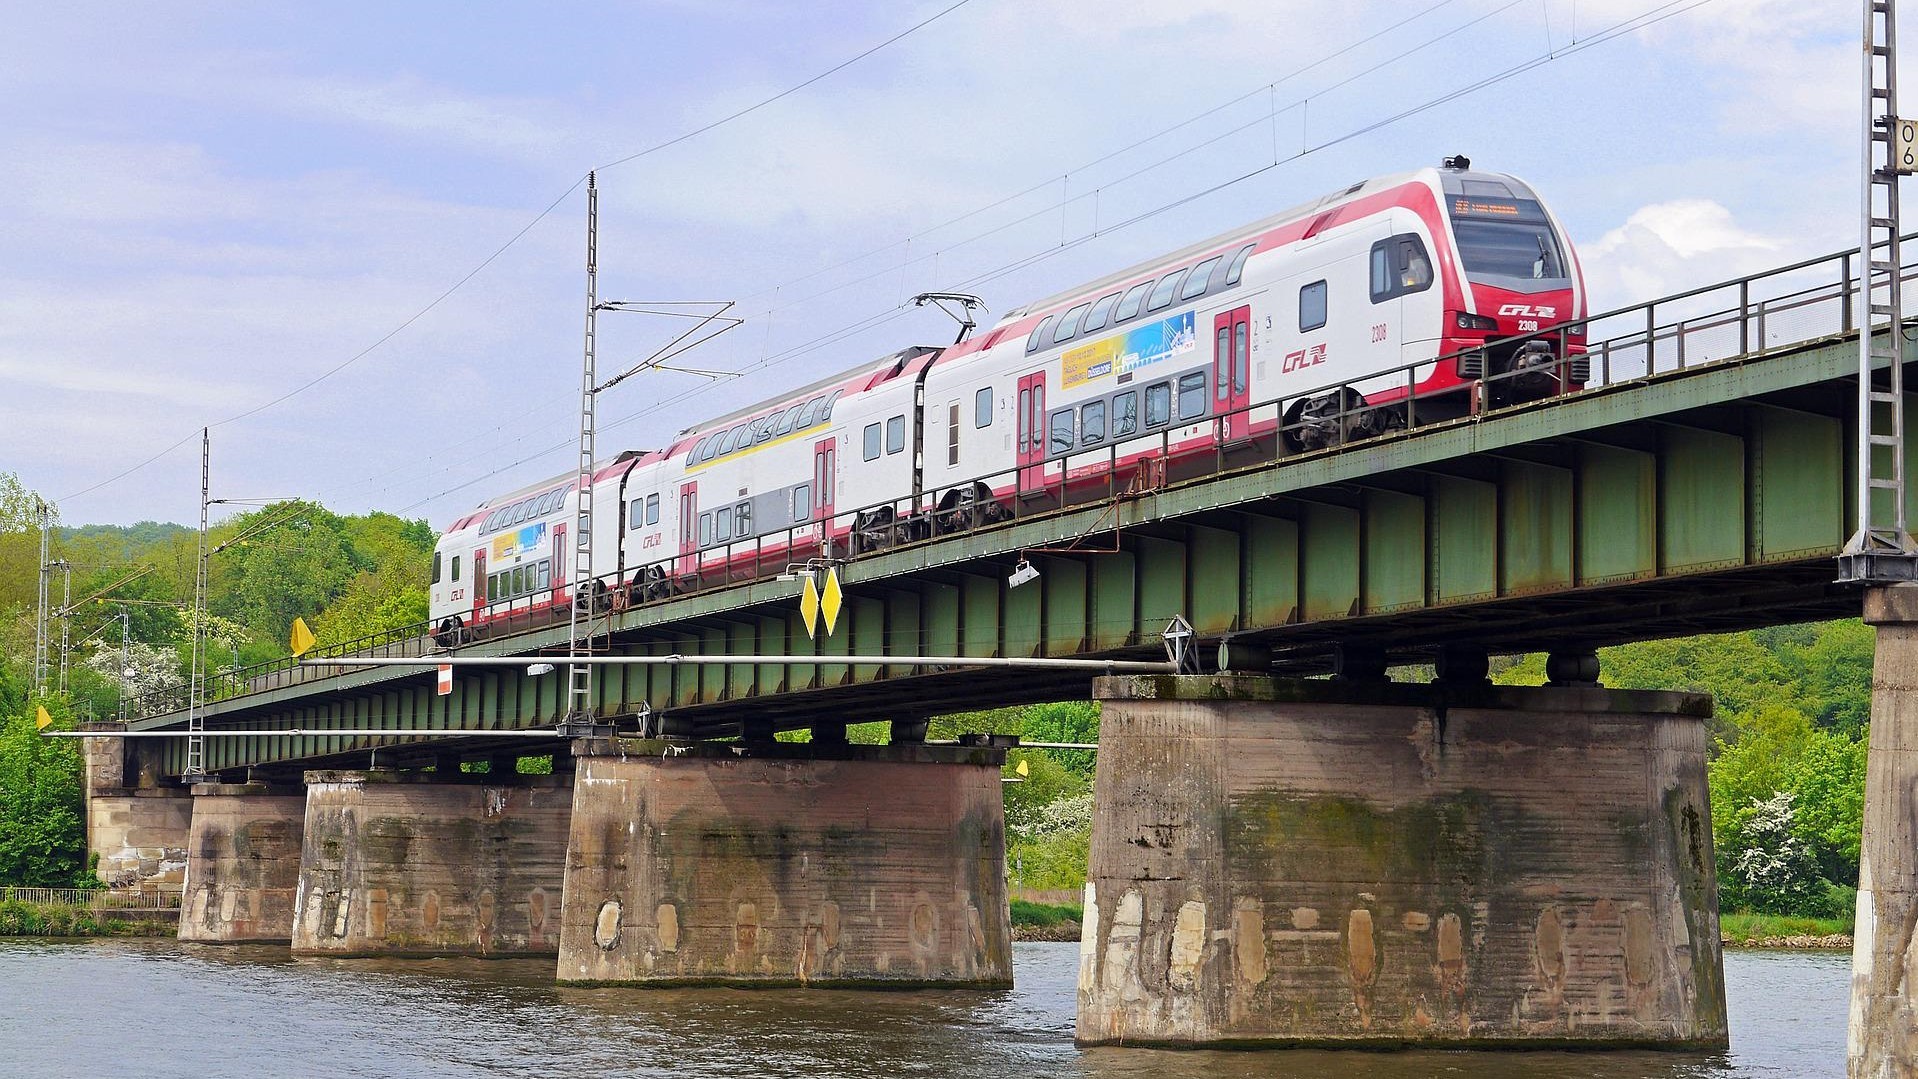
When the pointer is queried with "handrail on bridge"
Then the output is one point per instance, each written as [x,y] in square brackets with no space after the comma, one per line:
[884,525]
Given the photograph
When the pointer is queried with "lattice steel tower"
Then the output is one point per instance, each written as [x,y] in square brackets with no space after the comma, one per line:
[1881,549]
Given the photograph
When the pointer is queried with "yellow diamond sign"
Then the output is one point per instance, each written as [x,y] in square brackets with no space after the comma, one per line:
[809,606]
[832,600]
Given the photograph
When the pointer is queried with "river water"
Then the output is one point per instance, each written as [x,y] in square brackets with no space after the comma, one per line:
[160,1010]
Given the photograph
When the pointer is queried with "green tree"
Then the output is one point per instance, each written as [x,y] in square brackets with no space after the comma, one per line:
[42,812]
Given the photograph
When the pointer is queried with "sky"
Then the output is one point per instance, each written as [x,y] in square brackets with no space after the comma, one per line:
[210,206]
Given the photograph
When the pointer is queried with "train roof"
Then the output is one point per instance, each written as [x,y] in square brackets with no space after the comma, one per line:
[1453,181]
[887,366]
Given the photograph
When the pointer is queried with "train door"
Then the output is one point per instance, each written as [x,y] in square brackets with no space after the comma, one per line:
[479,581]
[825,462]
[561,563]
[688,529]
[1231,371]
[1032,432]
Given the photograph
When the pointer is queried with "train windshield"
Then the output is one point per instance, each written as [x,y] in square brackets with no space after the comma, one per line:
[1506,238]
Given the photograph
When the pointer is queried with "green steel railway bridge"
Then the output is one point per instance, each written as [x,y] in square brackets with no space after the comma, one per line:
[1699,482]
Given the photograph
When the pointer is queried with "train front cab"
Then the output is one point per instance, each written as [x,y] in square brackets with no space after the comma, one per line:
[1521,278]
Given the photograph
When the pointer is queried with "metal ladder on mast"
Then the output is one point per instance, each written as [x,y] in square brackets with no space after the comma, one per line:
[1881,549]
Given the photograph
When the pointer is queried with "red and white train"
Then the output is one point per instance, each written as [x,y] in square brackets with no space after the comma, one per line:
[1306,329]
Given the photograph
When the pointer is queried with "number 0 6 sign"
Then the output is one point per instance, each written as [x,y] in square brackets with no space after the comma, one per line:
[1904,146]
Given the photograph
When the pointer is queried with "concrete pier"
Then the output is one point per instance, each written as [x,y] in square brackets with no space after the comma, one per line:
[136,827]
[786,864]
[1883,1035]
[243,863]
[397,863]
[1321,863]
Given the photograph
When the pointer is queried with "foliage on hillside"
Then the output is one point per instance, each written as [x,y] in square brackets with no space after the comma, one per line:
[348,576]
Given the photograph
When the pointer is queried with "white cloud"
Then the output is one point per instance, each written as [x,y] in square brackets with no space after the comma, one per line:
[1669,246]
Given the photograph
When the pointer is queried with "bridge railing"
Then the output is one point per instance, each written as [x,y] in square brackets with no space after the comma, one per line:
[1743,316]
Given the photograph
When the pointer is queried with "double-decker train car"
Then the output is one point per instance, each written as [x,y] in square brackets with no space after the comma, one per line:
[1396,300]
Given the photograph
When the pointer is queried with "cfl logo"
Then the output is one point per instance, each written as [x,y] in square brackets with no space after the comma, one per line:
[1524,310]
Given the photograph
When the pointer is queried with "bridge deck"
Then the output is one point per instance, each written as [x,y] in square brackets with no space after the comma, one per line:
[1709,497]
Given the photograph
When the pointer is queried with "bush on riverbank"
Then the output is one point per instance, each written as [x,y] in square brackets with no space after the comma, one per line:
[22,919]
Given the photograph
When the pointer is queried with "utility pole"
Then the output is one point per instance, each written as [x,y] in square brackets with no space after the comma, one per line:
[579,676]
[196,683]
[126,659]
[1881,550]
[66,619]
[40,611]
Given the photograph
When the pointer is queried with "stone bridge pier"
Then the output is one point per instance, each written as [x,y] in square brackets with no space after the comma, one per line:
[137,823]
[243,863]
[1883,1035]
[1332,863]
[779,863]
[431,863]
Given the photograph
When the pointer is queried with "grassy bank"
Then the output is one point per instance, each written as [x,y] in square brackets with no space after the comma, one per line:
[23,919]
[1778,930]
[1044,921]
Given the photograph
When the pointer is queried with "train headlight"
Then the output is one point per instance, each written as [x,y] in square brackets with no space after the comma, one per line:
[1465,320]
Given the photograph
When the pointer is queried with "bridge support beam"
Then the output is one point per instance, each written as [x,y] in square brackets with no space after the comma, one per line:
[1883,1042]
[1323,863]
[136,827]
[243,863]
[787,864]
[396,863]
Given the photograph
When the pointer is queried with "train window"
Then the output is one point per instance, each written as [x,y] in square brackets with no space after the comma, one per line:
[895,434]
[1134,296]
[982,407]
[492,586]
[705,529]
[652,509]
[722,525]
[808,412]
[952,434]
[1237,268]
[518,586]
[1039,333]
[545,574]
[1312,306]
[1192,395]
[826,413]
[1101,312]
[1059,439]
[1092,422]
[1162,295]
[802,502]
[740,438]
[1201,277]
[872,442]
[519,513]
[635,513]
[456,568]
[1224,354]
[1125,414]
[743,520]
[762,430]
[1158,404]
[436,567]
[1399,267]
[1069,325]
[786,422]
